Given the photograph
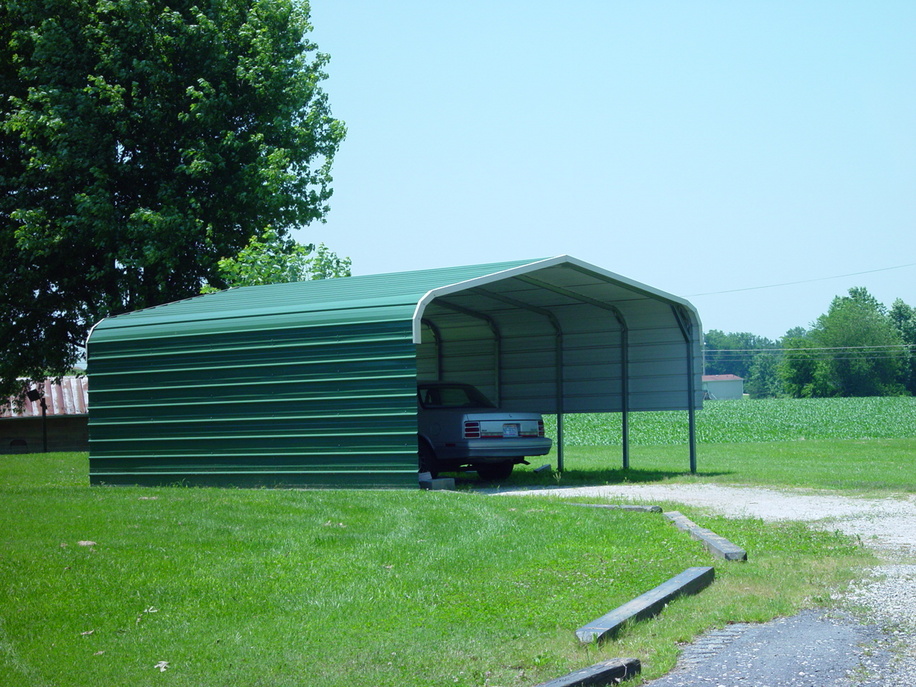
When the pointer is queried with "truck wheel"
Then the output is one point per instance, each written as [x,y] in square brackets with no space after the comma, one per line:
[493,472]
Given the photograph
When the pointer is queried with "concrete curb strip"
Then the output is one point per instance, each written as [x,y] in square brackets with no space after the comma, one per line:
[437,484]
[716,545]
[647,605]
[605,673]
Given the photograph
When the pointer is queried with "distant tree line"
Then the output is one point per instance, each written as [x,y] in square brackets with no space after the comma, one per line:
[858,347]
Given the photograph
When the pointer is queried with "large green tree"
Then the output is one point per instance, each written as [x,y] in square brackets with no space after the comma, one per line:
[854,349]
[140,142]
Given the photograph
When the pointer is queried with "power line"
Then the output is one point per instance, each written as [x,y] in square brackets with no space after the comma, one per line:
[720,356]
[835,356]
[805,348]
[803,281]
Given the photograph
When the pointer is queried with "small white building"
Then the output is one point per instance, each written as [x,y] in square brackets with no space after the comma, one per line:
[723,387]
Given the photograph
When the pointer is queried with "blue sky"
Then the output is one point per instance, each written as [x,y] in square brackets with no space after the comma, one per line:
[698,147]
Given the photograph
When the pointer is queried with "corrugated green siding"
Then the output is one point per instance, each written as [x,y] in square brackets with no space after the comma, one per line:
[315,405]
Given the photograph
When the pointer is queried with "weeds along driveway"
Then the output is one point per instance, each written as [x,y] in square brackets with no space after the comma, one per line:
[876,646]
[882,523]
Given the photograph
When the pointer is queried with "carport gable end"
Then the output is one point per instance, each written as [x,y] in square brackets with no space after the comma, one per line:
[562,336]
[313,383]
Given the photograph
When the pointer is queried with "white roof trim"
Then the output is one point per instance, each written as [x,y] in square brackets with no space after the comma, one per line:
[631,284]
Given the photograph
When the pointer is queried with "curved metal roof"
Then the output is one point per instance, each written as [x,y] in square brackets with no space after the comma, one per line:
[321,300]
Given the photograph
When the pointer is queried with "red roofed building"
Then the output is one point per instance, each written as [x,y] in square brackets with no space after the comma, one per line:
[65,421]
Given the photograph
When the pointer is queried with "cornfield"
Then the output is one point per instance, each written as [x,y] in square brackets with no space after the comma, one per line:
[751,421]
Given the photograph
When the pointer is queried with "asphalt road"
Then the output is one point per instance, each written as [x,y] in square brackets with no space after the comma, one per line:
[811,649]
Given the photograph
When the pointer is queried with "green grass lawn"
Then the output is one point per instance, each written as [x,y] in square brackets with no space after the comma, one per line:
[863,465]
[139,586]
[262,587]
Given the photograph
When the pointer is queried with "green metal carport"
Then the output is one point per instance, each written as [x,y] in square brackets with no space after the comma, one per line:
[314,383]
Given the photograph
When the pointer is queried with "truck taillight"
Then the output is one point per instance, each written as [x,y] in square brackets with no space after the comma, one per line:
[471,430]
[540,428]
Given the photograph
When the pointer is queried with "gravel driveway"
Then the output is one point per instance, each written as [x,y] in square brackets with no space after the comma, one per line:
[814,648]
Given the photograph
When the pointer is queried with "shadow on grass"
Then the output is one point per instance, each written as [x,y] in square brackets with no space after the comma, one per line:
[581,478]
